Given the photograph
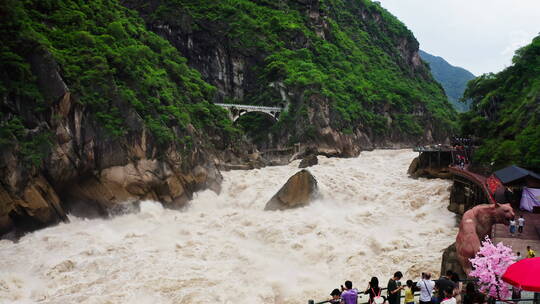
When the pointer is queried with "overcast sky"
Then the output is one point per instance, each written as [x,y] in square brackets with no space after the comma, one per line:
[478,35]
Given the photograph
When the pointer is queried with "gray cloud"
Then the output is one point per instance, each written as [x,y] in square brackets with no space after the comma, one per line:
[479,35]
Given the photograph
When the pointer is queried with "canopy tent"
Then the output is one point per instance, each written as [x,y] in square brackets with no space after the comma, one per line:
[514,173]
[530,198]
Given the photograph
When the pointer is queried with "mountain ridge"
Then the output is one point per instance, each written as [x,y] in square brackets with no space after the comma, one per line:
[453,79]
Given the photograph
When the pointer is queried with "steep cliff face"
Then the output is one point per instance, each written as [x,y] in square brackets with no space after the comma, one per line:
[97,111]
[505,112]
[349,71]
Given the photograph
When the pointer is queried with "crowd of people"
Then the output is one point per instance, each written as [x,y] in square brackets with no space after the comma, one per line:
[445,290]
[462,147]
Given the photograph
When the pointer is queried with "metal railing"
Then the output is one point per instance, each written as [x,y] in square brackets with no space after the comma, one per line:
[249,107]
[533,297]
[360,295]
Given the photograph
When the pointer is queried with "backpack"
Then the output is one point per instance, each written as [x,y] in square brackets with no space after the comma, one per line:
[377,299]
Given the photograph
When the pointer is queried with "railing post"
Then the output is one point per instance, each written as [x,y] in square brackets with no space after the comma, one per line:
[311,302]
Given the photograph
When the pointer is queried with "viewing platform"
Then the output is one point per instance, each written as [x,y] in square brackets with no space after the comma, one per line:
[520,241]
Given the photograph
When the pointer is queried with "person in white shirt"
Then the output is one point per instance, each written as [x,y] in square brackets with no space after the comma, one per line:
[449,296]
[521,223]
[426,286]
[512,227]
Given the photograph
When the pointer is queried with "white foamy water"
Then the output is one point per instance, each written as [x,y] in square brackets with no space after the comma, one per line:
[372,220]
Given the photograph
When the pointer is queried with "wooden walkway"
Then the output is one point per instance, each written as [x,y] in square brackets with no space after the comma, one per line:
[519,242]
[478,179]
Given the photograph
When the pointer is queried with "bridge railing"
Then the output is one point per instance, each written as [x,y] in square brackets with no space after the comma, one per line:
[249,107]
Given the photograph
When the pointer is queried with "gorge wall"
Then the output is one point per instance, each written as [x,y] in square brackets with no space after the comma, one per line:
[100,106]
[349,71]
[97,111]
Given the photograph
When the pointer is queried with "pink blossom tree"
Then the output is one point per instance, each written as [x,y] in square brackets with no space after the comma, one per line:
[489,265]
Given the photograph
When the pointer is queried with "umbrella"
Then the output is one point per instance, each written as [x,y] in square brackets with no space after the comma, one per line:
[524,274]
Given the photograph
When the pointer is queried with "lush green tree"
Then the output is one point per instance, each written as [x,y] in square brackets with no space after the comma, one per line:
[506,112]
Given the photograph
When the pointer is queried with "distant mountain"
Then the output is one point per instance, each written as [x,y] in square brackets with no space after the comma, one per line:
[453,79]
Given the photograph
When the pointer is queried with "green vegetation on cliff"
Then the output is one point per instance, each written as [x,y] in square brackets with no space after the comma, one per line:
[108,60]
[505,112]
[354,53]
[453,79]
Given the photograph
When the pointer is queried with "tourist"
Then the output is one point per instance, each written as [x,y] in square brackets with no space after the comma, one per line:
[349,295]
[336,296]
[470,294]
[409,293]
[516,293]
[512,226]
[394,288]
[448,296]
[521,223]
[530,252]
[457,286]
[426,286]
[482,299]
[374,292]
[442,284]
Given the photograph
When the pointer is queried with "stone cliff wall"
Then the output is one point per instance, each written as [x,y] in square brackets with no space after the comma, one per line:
[238,73]
[88,167]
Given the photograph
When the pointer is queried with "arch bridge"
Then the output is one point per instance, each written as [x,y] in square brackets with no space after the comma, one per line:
[237,110]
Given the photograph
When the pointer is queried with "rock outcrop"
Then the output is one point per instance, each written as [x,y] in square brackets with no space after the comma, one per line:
[298,191]
[450,261]
[86,165]
[422,167]
[308,161]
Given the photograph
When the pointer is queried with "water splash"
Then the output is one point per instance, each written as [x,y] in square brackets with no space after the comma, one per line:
[371,220]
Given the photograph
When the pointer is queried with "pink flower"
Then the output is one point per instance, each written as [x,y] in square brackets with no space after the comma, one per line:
[489,265]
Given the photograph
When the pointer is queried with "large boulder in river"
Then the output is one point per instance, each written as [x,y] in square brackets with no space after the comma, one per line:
[308,161]
[298,191]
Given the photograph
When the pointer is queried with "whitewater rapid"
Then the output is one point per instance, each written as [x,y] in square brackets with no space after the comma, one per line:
[372,220]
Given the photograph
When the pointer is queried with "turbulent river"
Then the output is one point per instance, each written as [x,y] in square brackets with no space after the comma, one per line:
[372,220]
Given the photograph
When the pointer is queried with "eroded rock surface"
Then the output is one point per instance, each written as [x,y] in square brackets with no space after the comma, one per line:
[419,168]
[298,191]
[308,161]
[86,165]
